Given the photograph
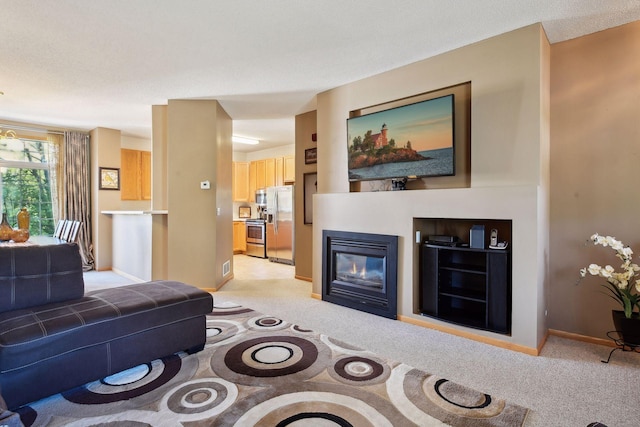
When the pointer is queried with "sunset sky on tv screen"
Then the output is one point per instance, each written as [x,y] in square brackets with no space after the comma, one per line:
[427,124]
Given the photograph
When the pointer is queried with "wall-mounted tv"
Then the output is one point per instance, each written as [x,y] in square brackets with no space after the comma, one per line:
[414,140]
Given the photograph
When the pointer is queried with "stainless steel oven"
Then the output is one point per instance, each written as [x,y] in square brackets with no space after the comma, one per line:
[256,238]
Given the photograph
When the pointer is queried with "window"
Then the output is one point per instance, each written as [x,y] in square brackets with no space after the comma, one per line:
[27,180]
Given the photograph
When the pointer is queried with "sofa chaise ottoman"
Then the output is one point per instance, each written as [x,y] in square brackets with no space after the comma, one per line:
[54,337]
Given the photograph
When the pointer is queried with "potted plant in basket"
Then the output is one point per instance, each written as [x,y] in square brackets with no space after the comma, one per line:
[622,286]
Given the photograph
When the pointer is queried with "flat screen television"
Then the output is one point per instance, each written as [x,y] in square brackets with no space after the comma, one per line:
[411,141]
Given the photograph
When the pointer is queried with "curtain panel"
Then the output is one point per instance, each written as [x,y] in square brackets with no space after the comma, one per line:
[76,200]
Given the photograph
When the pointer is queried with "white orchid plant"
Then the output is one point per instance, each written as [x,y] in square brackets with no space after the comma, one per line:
[623,286]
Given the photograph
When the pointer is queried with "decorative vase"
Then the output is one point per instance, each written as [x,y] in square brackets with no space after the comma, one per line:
[23,219]
[20,235]
[5,229]
[628,328]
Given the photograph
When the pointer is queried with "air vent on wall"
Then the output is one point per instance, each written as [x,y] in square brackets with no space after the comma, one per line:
[226,268]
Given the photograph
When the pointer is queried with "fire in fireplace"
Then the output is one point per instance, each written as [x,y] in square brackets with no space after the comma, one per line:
[360,271]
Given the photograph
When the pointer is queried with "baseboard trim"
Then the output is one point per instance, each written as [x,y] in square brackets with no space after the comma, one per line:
[306,279]
[475,337]
[497,342]
[128,276]
[224,282]
[583,338]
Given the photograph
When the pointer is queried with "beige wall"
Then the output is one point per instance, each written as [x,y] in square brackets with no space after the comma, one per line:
[159,157]
[159,228]
[105,152]
[224,197]
[595,149]
[305,127]
[509,178]
[194,130]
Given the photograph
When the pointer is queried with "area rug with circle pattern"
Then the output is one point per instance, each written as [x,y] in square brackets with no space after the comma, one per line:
[258,370]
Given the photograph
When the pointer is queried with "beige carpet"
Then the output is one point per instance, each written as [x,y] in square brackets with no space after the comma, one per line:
[565,386]
[259,370]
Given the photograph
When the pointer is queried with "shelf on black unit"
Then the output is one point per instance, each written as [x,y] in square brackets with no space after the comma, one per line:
[468,297]
[464,268]
[466,286]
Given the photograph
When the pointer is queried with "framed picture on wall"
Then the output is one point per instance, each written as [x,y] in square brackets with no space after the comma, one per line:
[109,178]
[310,156]
[310,181]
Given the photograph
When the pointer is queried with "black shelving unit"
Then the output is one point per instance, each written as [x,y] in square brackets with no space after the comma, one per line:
[470,287]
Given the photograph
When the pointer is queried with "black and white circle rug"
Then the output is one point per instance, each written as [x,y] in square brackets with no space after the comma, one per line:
[258,370]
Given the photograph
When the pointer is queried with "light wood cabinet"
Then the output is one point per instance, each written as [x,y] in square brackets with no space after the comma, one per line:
[240,183]
[261,174]
[269,172]
[239,237]
[289,172]
[280,171]
[135,174]
[285,170]
[253,185]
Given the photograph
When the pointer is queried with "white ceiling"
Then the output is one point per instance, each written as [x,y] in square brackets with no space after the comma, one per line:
[83,64]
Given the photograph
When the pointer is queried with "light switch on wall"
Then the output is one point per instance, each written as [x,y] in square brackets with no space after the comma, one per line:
[205,185]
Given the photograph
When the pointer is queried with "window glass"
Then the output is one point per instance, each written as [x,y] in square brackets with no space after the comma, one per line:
[25,182]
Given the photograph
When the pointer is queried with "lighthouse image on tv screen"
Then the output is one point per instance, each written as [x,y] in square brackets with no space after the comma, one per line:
[415,140]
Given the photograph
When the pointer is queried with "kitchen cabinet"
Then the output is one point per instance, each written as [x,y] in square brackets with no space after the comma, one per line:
[239,237]
[285,170]
[289,172]
[260,174]
[135,174]
[279,170]
[240,181]
[269,172]
[253,185]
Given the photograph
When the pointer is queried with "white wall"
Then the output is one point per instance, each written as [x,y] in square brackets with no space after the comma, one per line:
[134,143]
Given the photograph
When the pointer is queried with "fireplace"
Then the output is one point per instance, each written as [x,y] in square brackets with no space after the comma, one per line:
[359,271]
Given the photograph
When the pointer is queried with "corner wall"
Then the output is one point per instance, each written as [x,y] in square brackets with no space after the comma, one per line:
[105,152]
[509,127]
[595,148]
[195,133]
[305,127]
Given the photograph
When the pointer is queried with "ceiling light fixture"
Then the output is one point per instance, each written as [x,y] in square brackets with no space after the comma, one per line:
[243,140]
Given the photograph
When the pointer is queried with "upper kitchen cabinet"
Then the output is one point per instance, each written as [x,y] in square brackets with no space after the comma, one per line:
[285,170]
[240,171]
[252,181]
[269,172]
[289,173]
[135,177]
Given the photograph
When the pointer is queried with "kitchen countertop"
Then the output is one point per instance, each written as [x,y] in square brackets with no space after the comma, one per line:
[152,212]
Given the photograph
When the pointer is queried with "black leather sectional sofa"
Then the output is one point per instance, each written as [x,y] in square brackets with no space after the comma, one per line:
[54,337]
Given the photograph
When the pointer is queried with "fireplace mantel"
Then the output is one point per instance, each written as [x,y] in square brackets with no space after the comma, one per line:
[393,213]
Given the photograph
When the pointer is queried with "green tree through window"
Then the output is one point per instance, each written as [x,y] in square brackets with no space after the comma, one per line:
[25,181]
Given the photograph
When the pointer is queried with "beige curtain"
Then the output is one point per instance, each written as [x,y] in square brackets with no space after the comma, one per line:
[56,174]
[76,199]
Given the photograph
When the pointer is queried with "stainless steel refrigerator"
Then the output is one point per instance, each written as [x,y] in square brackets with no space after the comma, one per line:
[280,224]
